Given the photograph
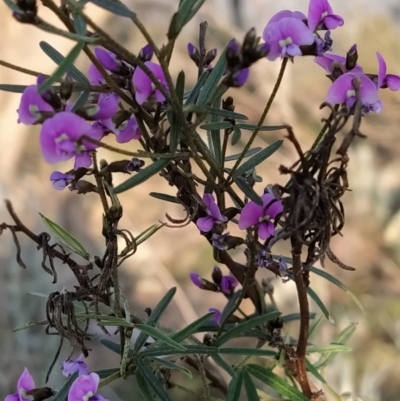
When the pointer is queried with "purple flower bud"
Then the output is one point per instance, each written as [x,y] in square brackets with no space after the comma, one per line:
[196,279]
[108,59]
[233,46]
[191,48]
[69,367]
[135,165]
[219,240]
[228,284]
[240,77]
[146,53]
[60,180]
[217,275]
[217,315]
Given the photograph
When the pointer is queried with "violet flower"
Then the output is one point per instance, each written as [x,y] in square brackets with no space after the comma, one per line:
[390,81]
[285,37]
[25,384]
[146,53]
[144,86]
[321,16]
[228,284]
[205,224]
[106,106]
[239,78]
[282,266]
[107,59]
[126,131]
[219,240]
[216,317]
[257,215]
[84,388]
[61,180]
[196,279]
[324,45]
[287,14]
[69,367]
[342,91]
[330,62]
[60,139]
[264,257]
[95,77]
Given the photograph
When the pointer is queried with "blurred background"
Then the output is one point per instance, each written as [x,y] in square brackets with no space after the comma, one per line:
[370,238]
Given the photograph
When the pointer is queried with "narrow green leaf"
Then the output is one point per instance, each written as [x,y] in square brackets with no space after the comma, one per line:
[230,305]
[192,328]
[252,127]
[175,119]
[274,381]
[80,23]
[310,367]
[187,9]
[64,67]
[155,317]
[11,5]
[63,392]
[318,301]
[216,125]
[244,326]
[30,325]
[248,190]
[236,135]
[314,325]
[142,176]
[224,365]
[12,88]
[258,158]
[190,350]
[111,345]
[103,373]
[173,366]
[235,388]
[190,101]
[211,84]
[339,284]
[247,351]
[58,58]
[144,236]
[114,7]
[66,238]
[236,156]
[144,387]
[250,388]
[227,114]
[151,380]
[81,101]
[323,349]
[158,335]
[295,316]
[106,320]
[164,197]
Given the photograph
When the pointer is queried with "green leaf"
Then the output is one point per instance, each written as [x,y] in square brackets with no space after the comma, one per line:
[63,392]
[236,135]
[64,67]
[80,23]
[145,235]
[190,349]
[252,127]
[142,176]
[258,158]
[236,156]
[114,7]
[66,238]
[246,325]
[323,349]
[12,88]
[106,320]
[194,93]
[155,317]
[175,119]
[341,338]
[250,388]
[318,301]
[153,332]
[211,84]
[216,125]
[164,197]
[235,388]
[11,5]
[151,380]
[248,190]
[227,114]
[274,381]
[111,345]
[230,305]
[192,328]
[103,373]
[224,365]
[173,366]
[314,325]
[295,316]
[339,284]
[310,367]
[247,351]
[144,387]
[81,101]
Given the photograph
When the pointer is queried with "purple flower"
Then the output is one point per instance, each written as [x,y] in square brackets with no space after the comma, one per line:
[60,139]
[135,165]
[240,77]
[342,91]
[84,388]
[264,257]
[60,180]
[219,240]
[253,214]
[32,104]
[205,224]
[191,48]
[146,53]
[196,279]
[24,385]
[107,59]
[216,317]
[287,14]
[330,62]
[69,367]
[282,266]
[144,86]
[228,284]
[285,36]
[126,131]
[390,81]
[106,107]
[321,16]
[324,45]
[95,76]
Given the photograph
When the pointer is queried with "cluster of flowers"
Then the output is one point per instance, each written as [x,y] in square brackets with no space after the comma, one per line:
[84,387]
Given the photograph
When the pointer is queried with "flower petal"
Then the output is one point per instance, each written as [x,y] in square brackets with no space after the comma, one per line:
[82,386]
[12,397]
[211,205]
[25,382]
[392,82]
[205,224]
[333,21]
[250,215]
[316,9]
[264,230]
[31,103]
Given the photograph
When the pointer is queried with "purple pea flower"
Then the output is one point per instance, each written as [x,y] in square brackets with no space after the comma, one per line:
[287,14]
[205,224]
[264,257]
[84,388]
[285,37]
[324,45]
[217,315]
[240,77]
[107,59]
[95,76]
[321,16]
[330,62]
[228,284]
[144,86]
[219,240]
[126,131]
[60,139]
[342,91]
[25,384]
[196,279]
[60,180]
[390,81]
[253,214]
[69,367]
[32,104]
[146,53]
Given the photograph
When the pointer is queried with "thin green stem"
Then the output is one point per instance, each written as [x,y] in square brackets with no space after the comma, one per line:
[21,69]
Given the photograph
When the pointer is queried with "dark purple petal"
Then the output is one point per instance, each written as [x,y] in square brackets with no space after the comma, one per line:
[191,48]
[60,180]
[196,279]
[233,46]
[228,284]
[107,59]
[217,315]
[146,53]
[205,224]
[31,105]
[240,77]
[250,215]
